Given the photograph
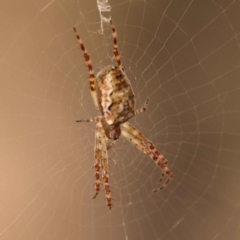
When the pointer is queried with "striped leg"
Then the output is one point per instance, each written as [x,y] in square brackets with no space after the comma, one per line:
[105,174]
[106,183]
[139,145]
[98,157]
[143,109]
[115,46]
[134,136]
[96,119]
[101,161]
[89,65]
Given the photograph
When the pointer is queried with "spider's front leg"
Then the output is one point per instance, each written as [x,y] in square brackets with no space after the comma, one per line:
[98,157]
[146,146]
[101,158]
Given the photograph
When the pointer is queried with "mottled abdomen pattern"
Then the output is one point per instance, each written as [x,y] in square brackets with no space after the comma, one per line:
[115,95]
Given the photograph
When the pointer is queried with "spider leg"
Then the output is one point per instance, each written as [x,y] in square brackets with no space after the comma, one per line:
[98,157]
[105,174]
[142,109]
[162,176]
[96,119]
[140,146]
[101,162]
[106,182]
[90,69]
[115,45]
[134,136]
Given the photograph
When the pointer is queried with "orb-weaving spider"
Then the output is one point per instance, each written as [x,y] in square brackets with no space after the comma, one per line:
[113,96]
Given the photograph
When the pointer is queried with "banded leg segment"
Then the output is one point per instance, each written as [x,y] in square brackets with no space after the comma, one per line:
[107,186]
[115,46]
[139,145]
[90,69]
[101,163]
[142,109]
[96,119]
[98,157]
[134,136]
[105,174]
[133,131]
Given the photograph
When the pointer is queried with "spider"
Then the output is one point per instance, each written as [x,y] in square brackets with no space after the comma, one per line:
[113,96]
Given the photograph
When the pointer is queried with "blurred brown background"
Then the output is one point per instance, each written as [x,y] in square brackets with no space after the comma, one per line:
[184,56]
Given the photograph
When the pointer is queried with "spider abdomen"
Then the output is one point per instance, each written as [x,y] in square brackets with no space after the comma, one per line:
[115,95]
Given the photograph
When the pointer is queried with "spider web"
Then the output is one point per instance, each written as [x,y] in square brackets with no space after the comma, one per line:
[184,56]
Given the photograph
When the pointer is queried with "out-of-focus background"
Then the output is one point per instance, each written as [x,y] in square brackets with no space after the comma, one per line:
[184,56]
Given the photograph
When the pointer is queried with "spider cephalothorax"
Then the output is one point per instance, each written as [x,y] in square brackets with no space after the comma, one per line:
[113,96]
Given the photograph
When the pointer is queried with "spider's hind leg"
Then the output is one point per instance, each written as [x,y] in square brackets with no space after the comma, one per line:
[90,69]
[115,46]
